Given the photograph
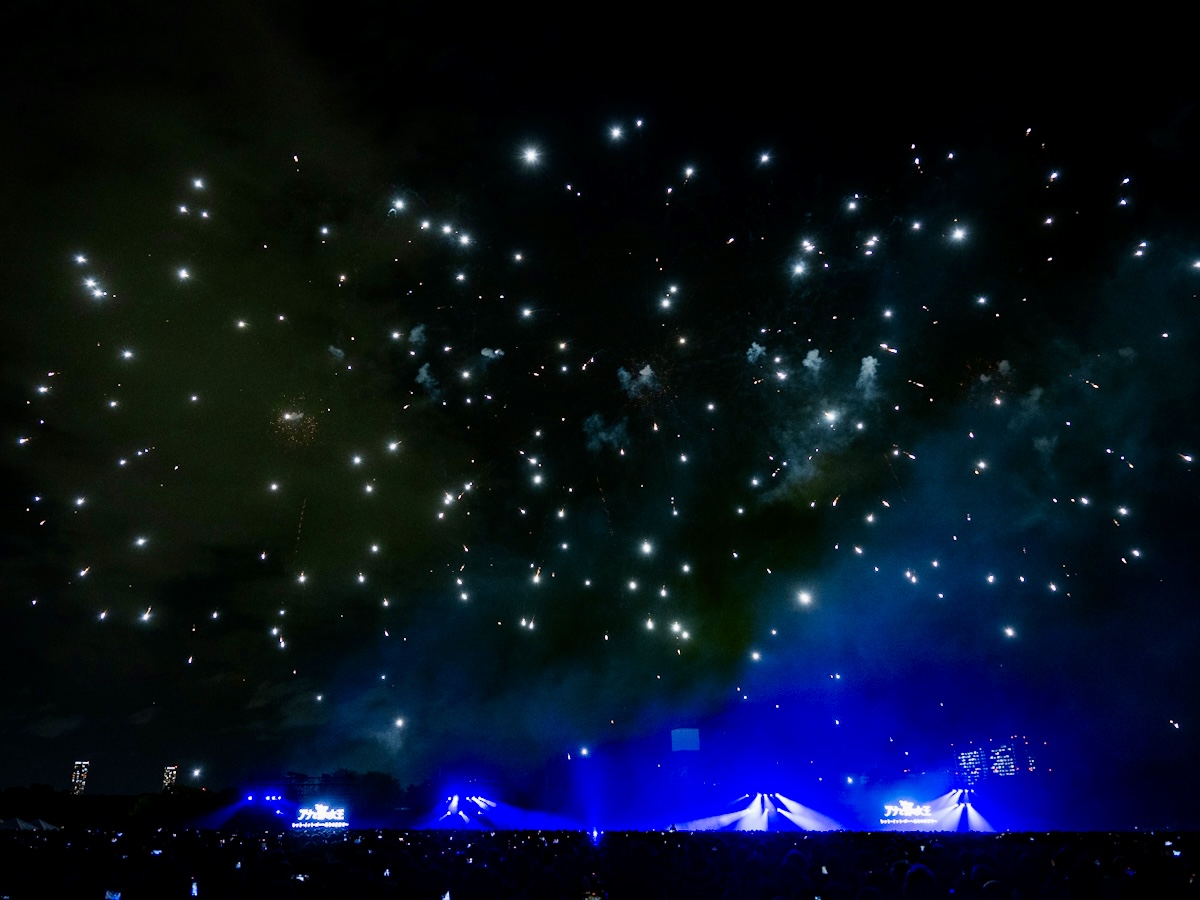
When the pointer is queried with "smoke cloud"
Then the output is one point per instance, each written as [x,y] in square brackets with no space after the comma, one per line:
[598,434]
[866,376]
[644,383]
[427,381]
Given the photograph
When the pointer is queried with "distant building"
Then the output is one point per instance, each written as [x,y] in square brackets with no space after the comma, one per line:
[685,766]
[1012,757]
[973,765]
[170,776]
[685,739]
[79,774]
[999,759]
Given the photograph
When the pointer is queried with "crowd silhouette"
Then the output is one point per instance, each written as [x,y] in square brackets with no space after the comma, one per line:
[576,865]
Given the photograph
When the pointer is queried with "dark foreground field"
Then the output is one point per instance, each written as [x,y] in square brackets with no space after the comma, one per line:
[575,865]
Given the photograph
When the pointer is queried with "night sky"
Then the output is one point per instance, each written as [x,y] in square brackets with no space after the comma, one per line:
[383,397]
